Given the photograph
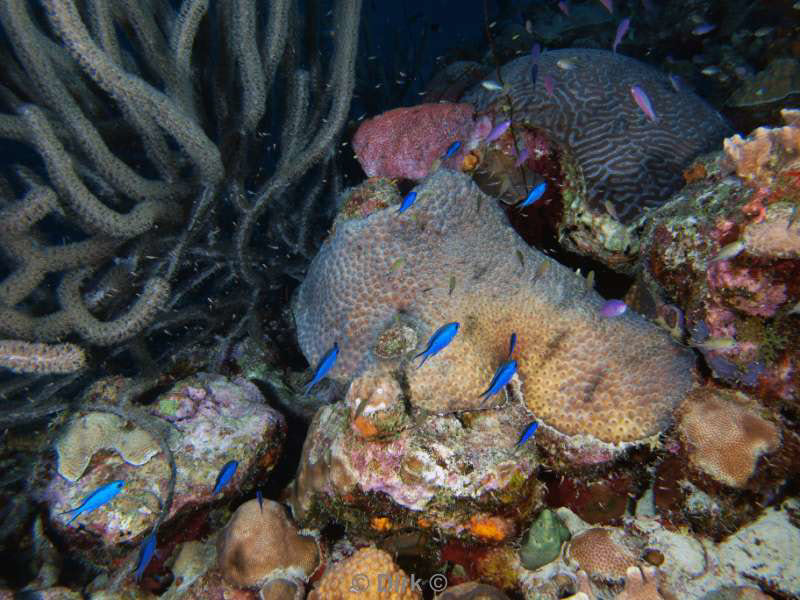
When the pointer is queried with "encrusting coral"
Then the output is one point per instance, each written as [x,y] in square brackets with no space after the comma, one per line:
[616,380]
[260,543]
[601,553]
[369,574]
[725,435]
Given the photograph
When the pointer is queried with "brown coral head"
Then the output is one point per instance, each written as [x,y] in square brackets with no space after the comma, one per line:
[726,435]
[600,552]
[261,543]
[366,575]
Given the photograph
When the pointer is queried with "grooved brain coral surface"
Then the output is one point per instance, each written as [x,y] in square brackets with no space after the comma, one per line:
[626,159]
[615,379]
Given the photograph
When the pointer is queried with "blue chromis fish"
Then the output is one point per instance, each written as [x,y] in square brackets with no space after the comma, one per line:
[512,342]
[536,193]
[439,340]
[325,365]
[260,499]
[528,433]
[145,554]
[452,149]
[225,475]
[407,201]
[501,378]
[96,499]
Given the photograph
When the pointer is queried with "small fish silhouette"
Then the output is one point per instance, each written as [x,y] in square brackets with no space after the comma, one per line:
[536,193]
[643,101]
[452,149]
[501,377]
[439,340]
[96,499]
[145,554]
[613,308]
[528,433]
[325,365]
[407,201]
[260,499]
[225,475]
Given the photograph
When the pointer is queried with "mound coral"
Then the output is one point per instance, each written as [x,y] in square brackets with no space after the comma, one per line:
[369,574]
[615,380]
[260,543]
[726,436]
[601,553]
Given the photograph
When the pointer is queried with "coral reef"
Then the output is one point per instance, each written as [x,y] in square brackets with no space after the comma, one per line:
[542,543]
[369,573]
[565,350]
[724,250]
[440,474]
[616,163]
[213,420]
[260,544]
[602,553]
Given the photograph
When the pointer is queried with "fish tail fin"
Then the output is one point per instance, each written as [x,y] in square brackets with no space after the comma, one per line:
[75,512]
[424,358]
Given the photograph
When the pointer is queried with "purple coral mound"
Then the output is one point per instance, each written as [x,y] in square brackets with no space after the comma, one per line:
[626,159]
[454,257]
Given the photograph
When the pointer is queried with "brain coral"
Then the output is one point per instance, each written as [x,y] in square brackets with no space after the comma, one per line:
[626,159]
[615,379]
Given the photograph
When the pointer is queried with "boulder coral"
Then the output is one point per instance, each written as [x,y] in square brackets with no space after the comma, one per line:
[369,574]
[261,544]
[614,380]
[726,436]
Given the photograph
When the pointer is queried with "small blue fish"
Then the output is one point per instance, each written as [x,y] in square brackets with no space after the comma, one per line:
[511,344]
[407,201]
[260,499]
[225,475]
[535,194]
[145,554]
[443,336]
[452,149]
[325,365]
[96,499]
[501,378]
[528,433]
[613,308]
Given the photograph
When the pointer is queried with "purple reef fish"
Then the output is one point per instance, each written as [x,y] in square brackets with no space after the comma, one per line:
[609,4]
[622,29]
[96,499]
[643,102]
[536,193]
[325,365]
[225,475]
[703,29]
[439,340]
[407,201]
[549,84]
[522,157]
[145,554]
[613,308]
[528,433]
[501,378]
[564,7]
[497,131]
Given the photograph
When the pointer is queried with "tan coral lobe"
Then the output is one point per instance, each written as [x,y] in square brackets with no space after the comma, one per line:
[615,379]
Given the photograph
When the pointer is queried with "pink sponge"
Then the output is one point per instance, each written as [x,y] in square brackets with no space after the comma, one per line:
[405,142]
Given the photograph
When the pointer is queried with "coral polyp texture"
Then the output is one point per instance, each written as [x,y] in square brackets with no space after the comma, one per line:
[625,158]
[260,543]
[726,435]
[369,574]
[453,257]
[602,553]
